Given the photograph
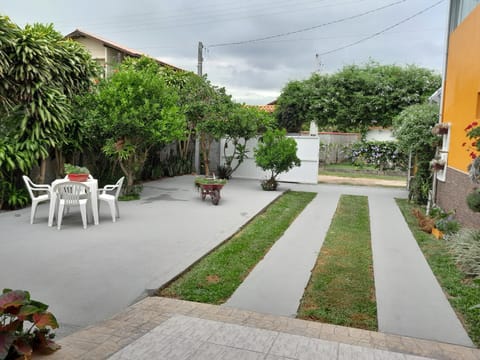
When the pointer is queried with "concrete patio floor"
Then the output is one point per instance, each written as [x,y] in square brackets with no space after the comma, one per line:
[89,275]
[96,277]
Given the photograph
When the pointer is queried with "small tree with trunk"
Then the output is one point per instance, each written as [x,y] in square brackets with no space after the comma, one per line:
[276,153]
[136,110]
[242,124]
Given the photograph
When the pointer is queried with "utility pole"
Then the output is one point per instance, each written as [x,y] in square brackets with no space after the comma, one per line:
[319,63]
[200,58]
[197,139]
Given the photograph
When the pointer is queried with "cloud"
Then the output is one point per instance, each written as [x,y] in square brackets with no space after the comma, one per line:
[255,71]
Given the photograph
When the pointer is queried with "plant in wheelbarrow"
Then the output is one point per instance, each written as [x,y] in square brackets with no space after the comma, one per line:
[210,186]
[25,326]
[276,153]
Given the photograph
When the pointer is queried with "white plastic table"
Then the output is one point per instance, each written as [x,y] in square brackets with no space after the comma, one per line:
[93,187]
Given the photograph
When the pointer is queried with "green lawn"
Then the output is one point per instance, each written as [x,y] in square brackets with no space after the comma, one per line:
[352,171]
[341,289]
[215,277]
[461,291]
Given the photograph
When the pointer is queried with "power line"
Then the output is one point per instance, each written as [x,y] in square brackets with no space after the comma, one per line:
[208,18]
[309,28]
[282,41]
[381,31]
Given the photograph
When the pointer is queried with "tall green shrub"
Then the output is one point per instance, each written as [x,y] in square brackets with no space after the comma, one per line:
[276,153]
[413,130]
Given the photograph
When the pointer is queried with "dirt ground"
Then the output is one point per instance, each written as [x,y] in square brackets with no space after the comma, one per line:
[329,179]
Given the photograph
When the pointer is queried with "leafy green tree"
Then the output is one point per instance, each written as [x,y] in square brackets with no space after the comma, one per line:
[293,105]
[276,153]
[356,97]
[413,130]
[134,110]
[193,91]
[39,74]
[45,73]
[210,125]
[242,124]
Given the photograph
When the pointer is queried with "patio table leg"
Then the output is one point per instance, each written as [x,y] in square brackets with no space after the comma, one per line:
[51,211]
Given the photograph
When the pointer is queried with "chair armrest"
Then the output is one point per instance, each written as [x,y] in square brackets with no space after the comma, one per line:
[42,187]
[107,188]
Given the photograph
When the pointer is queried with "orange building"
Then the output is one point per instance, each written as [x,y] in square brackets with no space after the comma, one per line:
[460,107]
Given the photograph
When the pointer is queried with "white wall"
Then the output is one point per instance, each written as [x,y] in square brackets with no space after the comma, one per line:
[307,152]
[379,135]
[95,47]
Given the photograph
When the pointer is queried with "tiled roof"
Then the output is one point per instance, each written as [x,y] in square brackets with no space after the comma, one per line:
[268,108]
[134,53]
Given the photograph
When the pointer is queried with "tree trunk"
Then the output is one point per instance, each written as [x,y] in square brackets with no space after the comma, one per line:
[205,144]
[43,170]
[130,167]
[60,161]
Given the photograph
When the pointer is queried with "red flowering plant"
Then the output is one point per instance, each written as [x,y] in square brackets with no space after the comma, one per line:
[473,147]
[473,133]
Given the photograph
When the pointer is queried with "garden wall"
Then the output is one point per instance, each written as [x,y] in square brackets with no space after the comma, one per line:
[379,134]
[333,146]
[307,151]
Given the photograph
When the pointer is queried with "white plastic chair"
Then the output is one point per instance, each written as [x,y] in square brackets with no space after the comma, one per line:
[112,199]
[71,193]
[37,194]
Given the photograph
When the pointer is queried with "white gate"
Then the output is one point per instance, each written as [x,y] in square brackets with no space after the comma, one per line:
[307,152]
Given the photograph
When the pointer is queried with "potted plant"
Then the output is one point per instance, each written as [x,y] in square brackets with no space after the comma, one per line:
[275,153]
[25,326]
[437,164]
[76,173]
[440,129]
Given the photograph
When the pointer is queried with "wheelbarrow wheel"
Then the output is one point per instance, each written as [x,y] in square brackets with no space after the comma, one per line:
[215,195]
[204,194]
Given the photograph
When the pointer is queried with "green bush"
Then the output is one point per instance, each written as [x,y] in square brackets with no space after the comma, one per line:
[444,221]
[382,155]
[276,153]
[447,225]
[465,246]
[12,195]
[473,201]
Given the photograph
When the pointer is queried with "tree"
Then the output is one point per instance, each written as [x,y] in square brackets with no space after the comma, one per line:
[39,74]
[413,130]
[212,113]
[356,97]
[292,106]
[276,153]
[134,110]
[242,124]
[45,73]
[192,91]
[205,108]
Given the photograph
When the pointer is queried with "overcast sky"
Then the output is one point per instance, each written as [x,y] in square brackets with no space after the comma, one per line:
[299,34]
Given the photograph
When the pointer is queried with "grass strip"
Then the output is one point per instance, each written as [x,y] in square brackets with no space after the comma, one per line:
[461,291]
[341,289]
[215,277]
[360,175]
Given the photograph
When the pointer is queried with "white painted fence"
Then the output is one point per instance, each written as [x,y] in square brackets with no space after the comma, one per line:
[307,152]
